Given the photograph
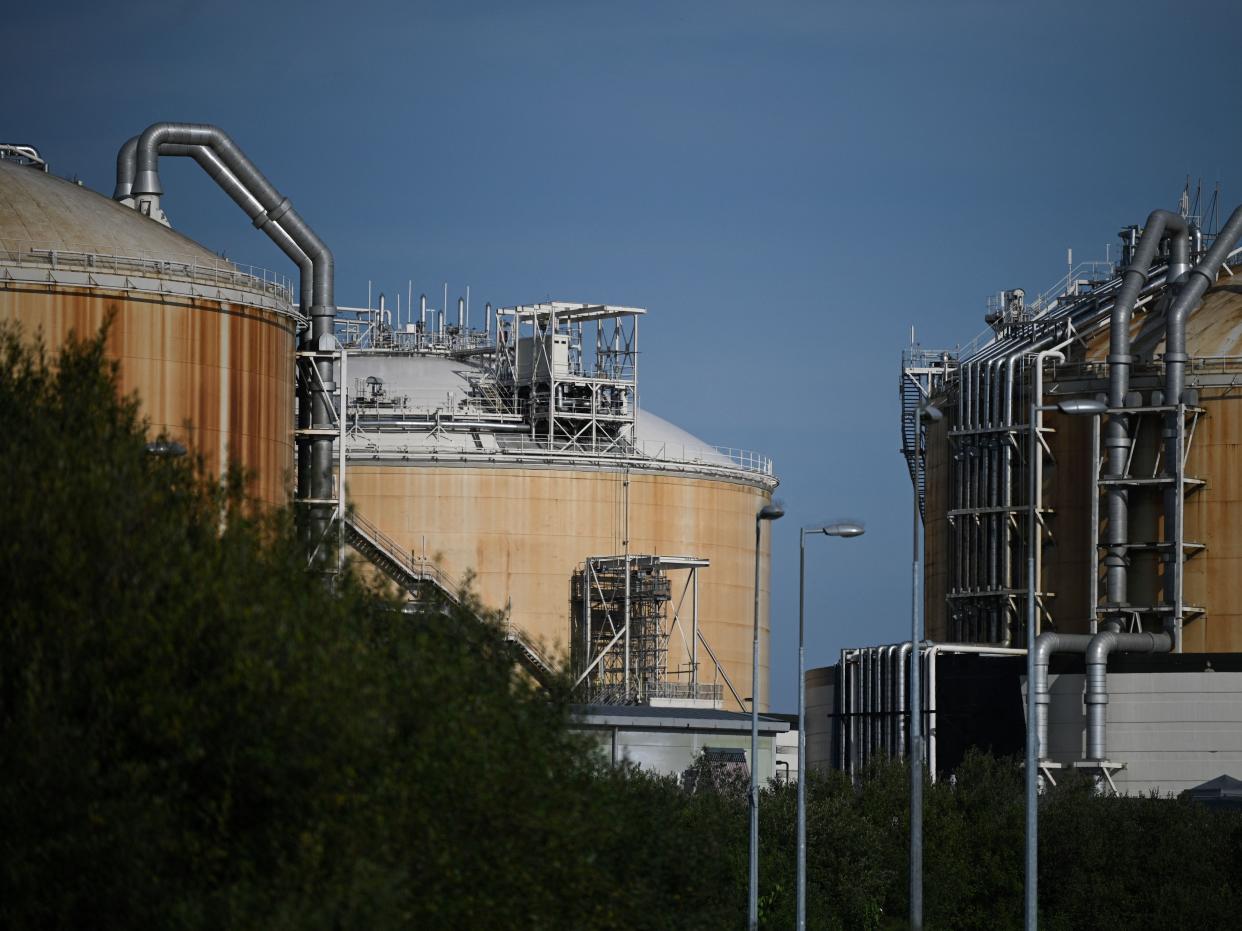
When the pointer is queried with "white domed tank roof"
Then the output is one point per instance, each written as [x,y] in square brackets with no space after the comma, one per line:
[438,383]
[40,209]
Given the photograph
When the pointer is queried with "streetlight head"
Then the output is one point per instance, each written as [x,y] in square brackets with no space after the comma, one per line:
[164,448]
[1085,406]
[844,528]
[772,511]
[930,413]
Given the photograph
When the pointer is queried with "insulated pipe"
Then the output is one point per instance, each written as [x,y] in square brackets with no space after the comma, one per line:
[1046,644]
[881,700]
[903,672]
[885,703]
[315,459]
[1160,224]
[127,167]
[1097,679]
[864,730]
[1198,280]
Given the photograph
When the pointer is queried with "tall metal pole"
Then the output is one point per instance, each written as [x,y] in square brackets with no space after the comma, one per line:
[916,711]
[801,731]
[1031,905]
[752,911]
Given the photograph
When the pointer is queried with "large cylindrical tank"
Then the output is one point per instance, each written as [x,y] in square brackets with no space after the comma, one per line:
[207,346]
[522,521]
[1213,513]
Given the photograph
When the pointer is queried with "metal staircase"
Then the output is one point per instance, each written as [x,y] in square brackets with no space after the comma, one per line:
[429,585]
[922,373]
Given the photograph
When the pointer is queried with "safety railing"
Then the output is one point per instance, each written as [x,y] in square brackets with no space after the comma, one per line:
[55,257]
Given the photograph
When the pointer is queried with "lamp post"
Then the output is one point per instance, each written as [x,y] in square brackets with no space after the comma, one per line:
[839,529]
[1078,406]
[767,512]
[926,412]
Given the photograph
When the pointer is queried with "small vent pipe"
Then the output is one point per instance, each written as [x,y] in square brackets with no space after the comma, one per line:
[315,459]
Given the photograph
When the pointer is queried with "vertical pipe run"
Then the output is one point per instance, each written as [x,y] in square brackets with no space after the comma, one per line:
[916,738]
[801,860]
[315,459]
[1161,224]
[1196,283]
[753,898]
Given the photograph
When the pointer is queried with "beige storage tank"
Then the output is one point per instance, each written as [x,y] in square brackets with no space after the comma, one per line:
[207,345]
[459,478]
[1212,588]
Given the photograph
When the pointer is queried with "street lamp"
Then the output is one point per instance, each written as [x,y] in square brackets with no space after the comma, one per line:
[925,413]
[839,529]
[164,448]
[768,512]
[1080,407]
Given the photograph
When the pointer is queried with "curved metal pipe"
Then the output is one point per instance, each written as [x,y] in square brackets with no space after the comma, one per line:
[1199,279]
[127,167]
[1046,644]
[1097,679]
[315,459]
[1161,224]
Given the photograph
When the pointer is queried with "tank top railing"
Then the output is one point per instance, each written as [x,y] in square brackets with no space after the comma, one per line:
[59,257]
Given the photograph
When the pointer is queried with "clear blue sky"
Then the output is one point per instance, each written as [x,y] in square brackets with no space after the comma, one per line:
[787,186]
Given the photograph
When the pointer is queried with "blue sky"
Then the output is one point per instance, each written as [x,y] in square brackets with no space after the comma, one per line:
[788,187]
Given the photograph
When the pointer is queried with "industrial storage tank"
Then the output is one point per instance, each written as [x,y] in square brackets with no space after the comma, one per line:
[516,453]
[977,478]
[206,344]
[1076,468]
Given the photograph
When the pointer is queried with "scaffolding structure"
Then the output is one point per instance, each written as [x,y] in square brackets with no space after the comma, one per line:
[574,368]
[620,608]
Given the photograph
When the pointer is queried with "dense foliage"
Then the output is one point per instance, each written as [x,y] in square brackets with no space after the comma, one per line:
[196,734]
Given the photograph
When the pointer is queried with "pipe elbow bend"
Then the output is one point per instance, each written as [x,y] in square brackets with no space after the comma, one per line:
[1045,645]
[1100,646]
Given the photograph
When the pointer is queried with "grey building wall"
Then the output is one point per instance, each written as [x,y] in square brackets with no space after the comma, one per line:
[1172,730]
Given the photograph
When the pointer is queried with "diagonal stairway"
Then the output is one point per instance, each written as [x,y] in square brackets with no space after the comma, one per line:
[425,582]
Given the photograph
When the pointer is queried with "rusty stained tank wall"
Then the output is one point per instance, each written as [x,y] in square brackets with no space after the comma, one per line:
[217,377]
[522,531]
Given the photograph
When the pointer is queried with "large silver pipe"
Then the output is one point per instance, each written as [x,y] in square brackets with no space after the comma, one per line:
[1046,644]
[127,167]
[1161,224]
[886,700]
[1197,281]
[856,680]
[903,705]
[1097,679]
[315,453]
[865,741]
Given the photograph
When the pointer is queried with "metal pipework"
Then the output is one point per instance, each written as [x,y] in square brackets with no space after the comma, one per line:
[315,459]
[1197,281]
[1046,644]
[127,165]
[1161,224]
[1097,679]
